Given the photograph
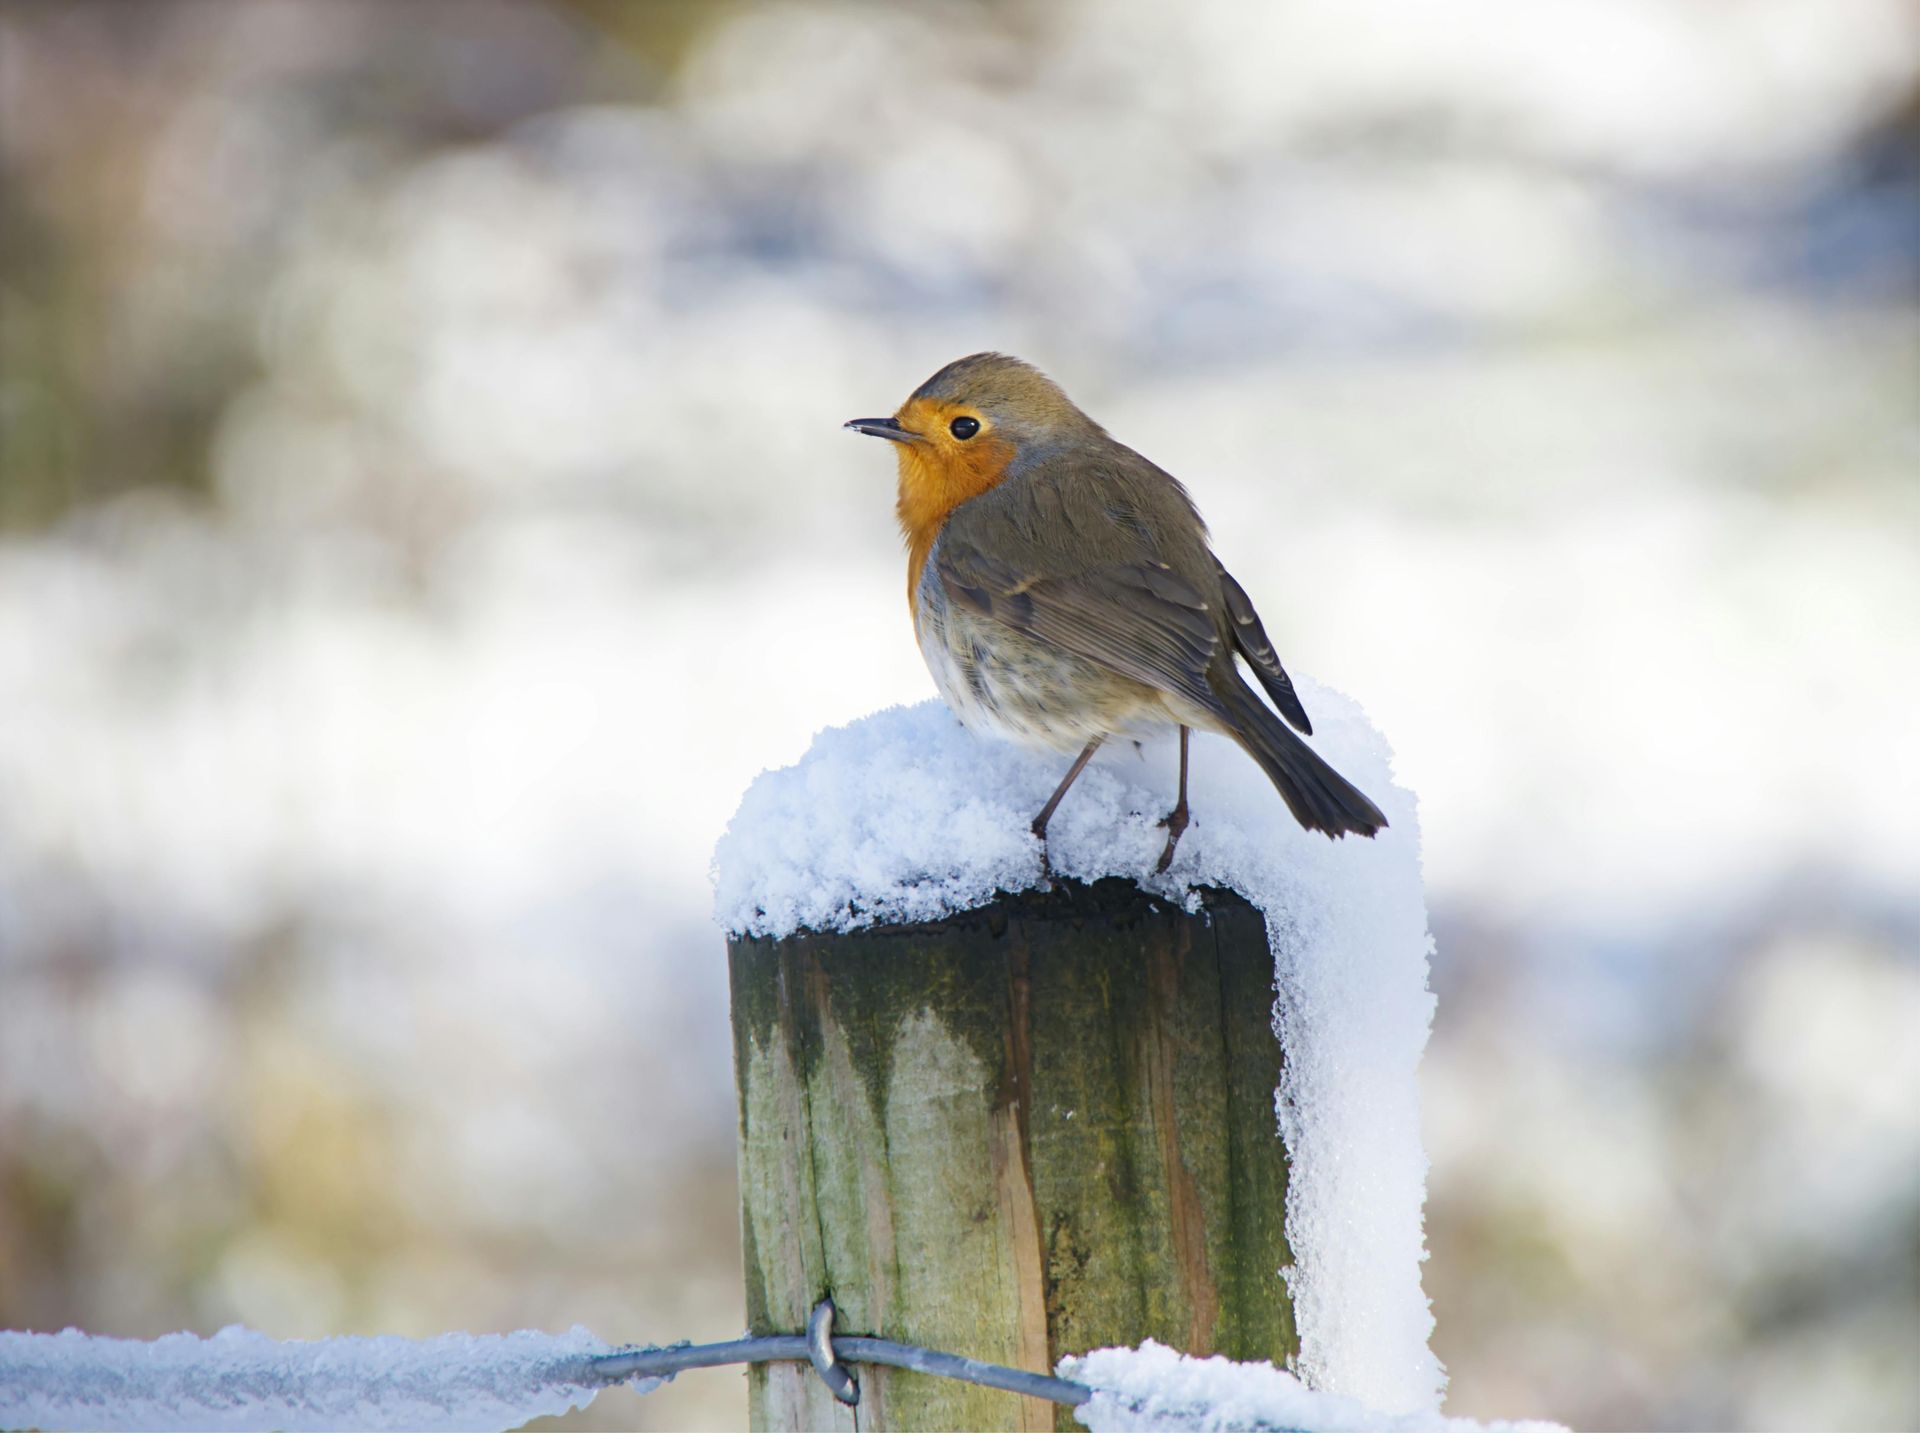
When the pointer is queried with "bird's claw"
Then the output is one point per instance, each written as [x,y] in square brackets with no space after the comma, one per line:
[1176,823]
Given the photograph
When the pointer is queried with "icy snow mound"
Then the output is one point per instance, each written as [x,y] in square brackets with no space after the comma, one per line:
[1153,1389]
[241,1380]
[906,816]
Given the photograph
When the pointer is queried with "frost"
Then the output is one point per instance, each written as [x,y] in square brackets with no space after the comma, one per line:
[905,816]
[241,1380]
[1153,1389]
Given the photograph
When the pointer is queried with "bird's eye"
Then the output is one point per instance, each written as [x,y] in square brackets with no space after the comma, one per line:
[964,428]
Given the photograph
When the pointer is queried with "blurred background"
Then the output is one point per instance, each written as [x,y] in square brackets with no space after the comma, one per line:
[423,510]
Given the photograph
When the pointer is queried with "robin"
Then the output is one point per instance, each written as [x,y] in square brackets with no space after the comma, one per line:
[1063,591]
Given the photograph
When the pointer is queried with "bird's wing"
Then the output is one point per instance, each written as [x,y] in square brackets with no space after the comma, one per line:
[1251,639]
[1141,620]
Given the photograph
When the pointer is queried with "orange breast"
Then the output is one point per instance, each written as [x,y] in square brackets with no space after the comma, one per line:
[934,480]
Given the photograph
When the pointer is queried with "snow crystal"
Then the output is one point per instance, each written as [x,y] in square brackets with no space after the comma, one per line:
[1154,1389]
[242,1380]
[905,816]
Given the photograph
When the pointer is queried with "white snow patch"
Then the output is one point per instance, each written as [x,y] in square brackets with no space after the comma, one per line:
[905,816]
[1154,1389]
[242,1380]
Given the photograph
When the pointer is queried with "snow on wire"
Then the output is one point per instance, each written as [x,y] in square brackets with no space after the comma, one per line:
[239,1381]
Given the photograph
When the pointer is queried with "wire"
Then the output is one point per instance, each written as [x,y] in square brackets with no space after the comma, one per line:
[820,1354]
[629,1363]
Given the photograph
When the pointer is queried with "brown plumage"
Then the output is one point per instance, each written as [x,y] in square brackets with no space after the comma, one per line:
[1063,590]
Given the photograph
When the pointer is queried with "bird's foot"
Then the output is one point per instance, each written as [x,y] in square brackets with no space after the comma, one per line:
[1176,823]
[1046,866]
[1039,834]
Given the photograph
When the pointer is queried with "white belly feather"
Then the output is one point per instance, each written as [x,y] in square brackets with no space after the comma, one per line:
[1003,684]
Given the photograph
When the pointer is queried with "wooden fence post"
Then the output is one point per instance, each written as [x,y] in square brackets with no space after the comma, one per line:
[1039,1127]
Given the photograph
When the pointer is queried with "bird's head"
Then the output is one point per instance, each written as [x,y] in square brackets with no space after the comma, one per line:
[961,431]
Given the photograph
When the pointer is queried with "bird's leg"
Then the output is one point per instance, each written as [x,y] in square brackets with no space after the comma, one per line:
[1046,812]
[1175,820]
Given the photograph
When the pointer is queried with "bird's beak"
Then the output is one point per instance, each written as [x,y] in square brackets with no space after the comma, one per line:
[884,428]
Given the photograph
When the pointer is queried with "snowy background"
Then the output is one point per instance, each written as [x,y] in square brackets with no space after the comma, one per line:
[423,511]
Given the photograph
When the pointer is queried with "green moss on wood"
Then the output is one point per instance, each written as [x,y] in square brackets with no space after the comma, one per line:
[1043,1126]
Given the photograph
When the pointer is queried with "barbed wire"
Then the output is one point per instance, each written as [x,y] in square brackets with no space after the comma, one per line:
[829,1356]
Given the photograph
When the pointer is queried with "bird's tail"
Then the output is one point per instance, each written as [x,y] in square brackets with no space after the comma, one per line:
[1320,798]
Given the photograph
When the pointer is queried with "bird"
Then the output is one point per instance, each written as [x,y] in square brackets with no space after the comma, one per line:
[1063,591]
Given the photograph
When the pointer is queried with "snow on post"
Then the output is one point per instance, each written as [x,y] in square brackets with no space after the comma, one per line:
[905,820]
[1153,1389]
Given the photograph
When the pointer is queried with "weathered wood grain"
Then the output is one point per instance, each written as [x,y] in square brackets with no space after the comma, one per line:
[1043,1126]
